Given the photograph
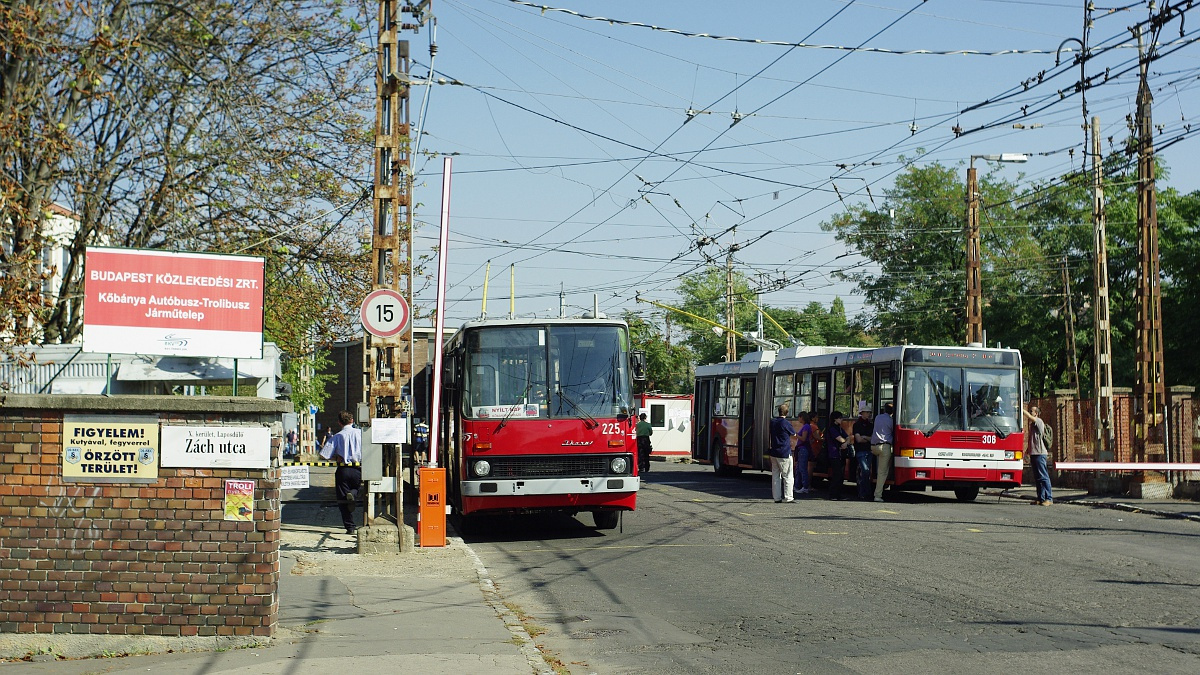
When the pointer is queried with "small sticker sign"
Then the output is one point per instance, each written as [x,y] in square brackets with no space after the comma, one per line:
[293,477]
[239,500]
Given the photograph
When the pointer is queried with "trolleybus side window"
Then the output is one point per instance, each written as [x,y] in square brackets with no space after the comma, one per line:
[733,392]
[843,397]
[821,408]
[887,390]
[804,399]
[785,391]
[864,390]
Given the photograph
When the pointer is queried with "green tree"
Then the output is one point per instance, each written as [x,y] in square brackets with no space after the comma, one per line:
[668,366]
[203,126]
[703,294]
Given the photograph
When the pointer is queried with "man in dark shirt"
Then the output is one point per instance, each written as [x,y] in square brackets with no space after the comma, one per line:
[781,456]
[835,443]
[863,428]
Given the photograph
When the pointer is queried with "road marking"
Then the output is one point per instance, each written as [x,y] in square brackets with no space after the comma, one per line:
[602,548]
[811,532]
[971,529]
[894,513]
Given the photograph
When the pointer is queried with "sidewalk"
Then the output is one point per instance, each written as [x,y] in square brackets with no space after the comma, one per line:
[1166,508]
[431,611]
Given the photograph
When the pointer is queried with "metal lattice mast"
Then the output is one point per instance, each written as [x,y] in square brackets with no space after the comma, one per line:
[387,362]
[1149,394]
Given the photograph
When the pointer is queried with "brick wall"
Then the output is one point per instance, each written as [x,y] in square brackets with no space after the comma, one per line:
[133,558]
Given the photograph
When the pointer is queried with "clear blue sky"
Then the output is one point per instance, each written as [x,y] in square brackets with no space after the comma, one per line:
[574,157]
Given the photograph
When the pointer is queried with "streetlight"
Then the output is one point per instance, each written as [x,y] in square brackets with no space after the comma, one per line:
[974,261]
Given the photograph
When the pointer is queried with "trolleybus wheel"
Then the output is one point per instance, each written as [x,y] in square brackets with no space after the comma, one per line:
[606,520]
[966,494]
[721,469]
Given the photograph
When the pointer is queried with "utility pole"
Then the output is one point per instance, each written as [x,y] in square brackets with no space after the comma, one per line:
[1105,432]
[1069,308]
[387,362]
[1149,394]
[731,326]
[974,261]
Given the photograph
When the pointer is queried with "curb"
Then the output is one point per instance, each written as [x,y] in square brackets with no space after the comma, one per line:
[532,654]
[1115,506]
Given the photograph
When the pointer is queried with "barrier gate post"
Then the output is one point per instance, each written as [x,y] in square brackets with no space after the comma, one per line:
[431,518]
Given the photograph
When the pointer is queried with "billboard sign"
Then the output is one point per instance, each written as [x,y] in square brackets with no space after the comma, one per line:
[172,303]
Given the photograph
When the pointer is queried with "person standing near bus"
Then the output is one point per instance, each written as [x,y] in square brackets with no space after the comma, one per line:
[881,447]
[862,450]
[643,431]
[781,456]
[1038,456]
[345,448]
[803,455]
[835,442]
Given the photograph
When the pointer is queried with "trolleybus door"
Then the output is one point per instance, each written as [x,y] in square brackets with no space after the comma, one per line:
[746,423]
[702,437]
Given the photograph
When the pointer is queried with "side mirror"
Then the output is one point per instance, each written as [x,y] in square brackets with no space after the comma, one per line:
[637,363]
[894,372]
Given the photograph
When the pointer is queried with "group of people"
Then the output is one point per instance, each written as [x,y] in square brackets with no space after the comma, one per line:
[793,449]
[871,442]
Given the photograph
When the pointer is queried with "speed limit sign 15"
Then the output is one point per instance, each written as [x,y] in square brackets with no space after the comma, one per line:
[385,313]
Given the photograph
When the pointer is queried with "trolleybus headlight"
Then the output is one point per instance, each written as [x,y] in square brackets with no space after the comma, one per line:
[1009,454]
[619,465]
[919,453]
[482,467]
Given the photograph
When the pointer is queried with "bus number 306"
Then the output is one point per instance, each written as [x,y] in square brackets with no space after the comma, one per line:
[989,439]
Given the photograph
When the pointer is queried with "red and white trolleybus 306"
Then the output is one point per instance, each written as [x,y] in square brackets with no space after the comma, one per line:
[537,417]
[957,409]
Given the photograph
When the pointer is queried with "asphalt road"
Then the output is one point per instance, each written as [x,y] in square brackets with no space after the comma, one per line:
[710,576]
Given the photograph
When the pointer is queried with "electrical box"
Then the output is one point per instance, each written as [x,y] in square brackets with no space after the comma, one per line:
[372,457]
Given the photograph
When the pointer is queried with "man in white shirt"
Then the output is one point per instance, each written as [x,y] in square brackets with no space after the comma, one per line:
[881,447]
[345,448]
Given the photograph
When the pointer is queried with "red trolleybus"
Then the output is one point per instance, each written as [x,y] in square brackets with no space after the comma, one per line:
[537,418]
[957,409]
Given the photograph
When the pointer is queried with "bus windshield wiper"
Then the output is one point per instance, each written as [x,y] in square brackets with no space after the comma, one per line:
[942,421]
[513,408]
[591,421]
[991,422]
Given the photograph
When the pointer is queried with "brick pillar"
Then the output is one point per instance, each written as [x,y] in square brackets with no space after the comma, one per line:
[1123,424]
[1179,419]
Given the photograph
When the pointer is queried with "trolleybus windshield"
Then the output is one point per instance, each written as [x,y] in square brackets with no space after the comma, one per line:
[937,398]
[572,371]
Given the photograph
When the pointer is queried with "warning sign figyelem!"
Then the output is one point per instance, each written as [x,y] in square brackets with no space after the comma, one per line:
[110,449]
